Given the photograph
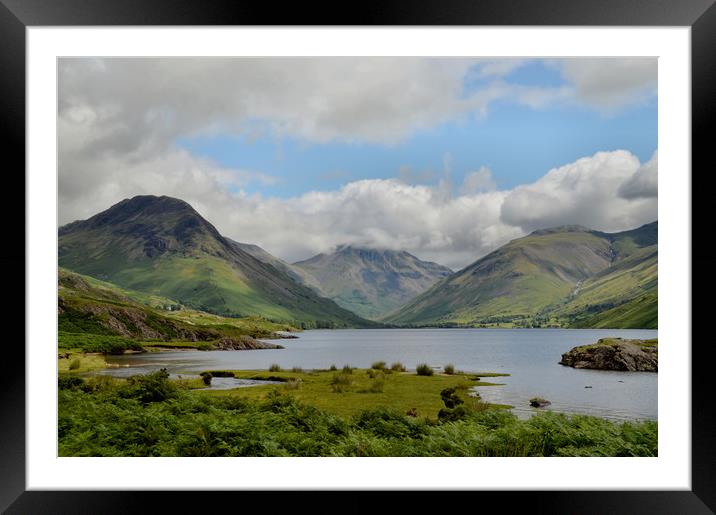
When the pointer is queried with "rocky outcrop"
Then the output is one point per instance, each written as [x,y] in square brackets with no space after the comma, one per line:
[244,343]
[615,354]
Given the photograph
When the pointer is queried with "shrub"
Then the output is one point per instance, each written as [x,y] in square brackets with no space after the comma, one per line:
[424,370]
[75,364]
[452,414]
[450,398]
[70,382]
[153,387]
[372,373]
[347,369]
[293,384]
[397,367]
[274,368]
[449,369]
[378,365]
[297,370]
[221,373]
[333,368]
[206,377]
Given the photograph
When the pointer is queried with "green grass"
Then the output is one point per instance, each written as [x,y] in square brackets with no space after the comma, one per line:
[151,416]
[84,363]
[348,394]
[97,343]
[603,342]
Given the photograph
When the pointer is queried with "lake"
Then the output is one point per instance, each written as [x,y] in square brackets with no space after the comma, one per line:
[530,356]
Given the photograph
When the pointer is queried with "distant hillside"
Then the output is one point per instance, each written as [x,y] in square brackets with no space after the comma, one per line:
[563,276]
[293,272]
[162,246]
[370,282]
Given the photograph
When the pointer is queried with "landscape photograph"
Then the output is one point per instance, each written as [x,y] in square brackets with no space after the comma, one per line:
[357,257]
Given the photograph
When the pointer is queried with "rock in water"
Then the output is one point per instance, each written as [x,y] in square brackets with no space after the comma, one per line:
[539,402]
[615,354]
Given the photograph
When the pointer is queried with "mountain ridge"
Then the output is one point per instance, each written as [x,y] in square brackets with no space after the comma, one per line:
[164,246]
[370,281]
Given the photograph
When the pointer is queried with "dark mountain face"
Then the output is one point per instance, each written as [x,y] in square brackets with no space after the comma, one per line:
[148,226]
[370,282]
[163,246]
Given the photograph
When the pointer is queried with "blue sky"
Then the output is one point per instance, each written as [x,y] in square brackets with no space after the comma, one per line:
[517,142]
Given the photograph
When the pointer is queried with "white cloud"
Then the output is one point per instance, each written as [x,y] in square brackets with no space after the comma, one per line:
[478,182]
[611,83]
[148,102]
[430,222]
[644,183]
[585,192]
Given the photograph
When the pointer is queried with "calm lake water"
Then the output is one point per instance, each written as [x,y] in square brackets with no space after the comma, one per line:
[530,356]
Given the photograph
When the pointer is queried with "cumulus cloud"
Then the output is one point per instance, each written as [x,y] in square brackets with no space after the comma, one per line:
[454,229]
[644,183]
[585,192]
[377,213]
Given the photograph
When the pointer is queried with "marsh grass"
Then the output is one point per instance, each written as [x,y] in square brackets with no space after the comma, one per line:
[293,384]
[150,416]
[341,383]
[397,367]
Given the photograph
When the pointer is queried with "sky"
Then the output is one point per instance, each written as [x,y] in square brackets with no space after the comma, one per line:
[446,158]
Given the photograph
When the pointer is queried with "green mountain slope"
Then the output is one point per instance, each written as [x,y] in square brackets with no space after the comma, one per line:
[625,295]
[566,275]
[370,282]
[97,313]
[162,246]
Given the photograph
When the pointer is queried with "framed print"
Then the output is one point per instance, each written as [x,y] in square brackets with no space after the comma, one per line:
[415,249]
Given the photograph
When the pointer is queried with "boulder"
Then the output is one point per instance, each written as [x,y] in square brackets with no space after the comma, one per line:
[615,354]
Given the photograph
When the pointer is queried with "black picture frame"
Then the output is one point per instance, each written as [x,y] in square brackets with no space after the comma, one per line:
[17,15]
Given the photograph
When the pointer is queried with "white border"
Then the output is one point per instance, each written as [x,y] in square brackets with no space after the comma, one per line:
[671,470]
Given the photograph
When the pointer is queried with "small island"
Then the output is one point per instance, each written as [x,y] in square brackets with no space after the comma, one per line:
[615,354]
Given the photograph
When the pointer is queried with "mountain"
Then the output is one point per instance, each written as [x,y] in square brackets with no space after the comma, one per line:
[370,282]
[293,272]
[566,275]
[162,246]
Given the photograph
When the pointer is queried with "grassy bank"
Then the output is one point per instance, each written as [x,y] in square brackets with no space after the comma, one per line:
[151,416]
[348,394]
